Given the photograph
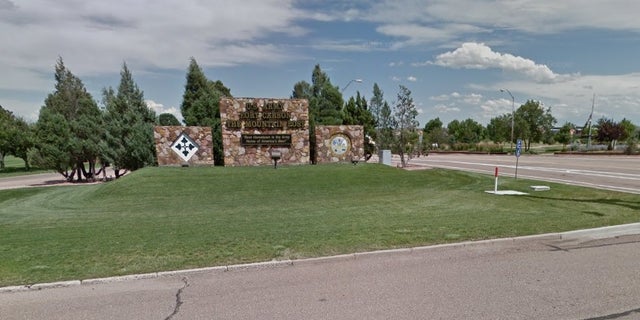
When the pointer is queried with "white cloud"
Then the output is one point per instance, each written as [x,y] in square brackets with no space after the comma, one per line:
[442,97]
[441,108]
[417,34]
[350,45]
[479,56]
[412,79]
[473,98]
[94,37]
[27,109]
[540,16]
[160,108]
[571,100]
[494,107]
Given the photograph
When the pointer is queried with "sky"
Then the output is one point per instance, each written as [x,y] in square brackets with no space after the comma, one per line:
[454,55]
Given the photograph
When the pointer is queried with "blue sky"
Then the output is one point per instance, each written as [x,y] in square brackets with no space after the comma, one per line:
[454,55]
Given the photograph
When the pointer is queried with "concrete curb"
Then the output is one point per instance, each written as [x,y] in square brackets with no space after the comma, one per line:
[596,233]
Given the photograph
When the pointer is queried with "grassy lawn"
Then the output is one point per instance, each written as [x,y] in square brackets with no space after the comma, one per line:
[172,218]
[15,167]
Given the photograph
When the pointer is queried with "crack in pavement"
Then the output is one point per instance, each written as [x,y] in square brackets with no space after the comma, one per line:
[178,299]
[590,245]
[616,315]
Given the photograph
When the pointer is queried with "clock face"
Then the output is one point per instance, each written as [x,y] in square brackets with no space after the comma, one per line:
[340,144]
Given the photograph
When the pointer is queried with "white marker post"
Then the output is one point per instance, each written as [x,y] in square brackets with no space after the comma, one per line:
[503,192]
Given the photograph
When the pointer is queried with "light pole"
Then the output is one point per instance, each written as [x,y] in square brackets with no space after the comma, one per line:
[513,115]
[350,82]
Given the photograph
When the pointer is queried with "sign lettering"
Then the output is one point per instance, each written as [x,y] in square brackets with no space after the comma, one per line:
[266,140]
[272,116]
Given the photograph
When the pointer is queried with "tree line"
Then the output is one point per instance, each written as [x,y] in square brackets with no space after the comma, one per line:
[386,126]
[78,137]
[530,123]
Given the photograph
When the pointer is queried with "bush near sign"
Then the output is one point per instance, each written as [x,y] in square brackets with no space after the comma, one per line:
[281,140]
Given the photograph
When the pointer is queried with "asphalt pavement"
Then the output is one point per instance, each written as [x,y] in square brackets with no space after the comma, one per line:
[617,173]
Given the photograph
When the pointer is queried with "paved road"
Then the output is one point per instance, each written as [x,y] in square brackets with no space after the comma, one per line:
[577,277]
[32,180]
[39,180]
[619,173]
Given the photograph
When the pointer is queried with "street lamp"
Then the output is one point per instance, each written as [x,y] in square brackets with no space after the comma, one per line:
[350,82]
[513,115]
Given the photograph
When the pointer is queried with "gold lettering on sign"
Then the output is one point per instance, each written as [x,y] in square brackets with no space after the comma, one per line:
[233,124]
[272,116]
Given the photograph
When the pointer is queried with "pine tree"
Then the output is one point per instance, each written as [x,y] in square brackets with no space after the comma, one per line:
[168,119]
[69,128]
[325,103]
[356,112]
[128,139]
[376,104]
[201,105]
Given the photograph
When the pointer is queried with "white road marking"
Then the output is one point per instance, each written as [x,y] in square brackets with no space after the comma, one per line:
[590,173]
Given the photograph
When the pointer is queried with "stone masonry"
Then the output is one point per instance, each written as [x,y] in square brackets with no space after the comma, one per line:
[324,137]
[247,120]
[166,136]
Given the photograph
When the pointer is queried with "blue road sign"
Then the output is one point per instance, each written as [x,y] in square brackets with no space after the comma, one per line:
[518,148]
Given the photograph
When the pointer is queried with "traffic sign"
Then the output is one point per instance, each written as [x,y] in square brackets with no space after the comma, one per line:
[518,148]
[518,152]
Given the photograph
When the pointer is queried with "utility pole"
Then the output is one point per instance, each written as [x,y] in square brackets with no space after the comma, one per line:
[593,104]
[513,116]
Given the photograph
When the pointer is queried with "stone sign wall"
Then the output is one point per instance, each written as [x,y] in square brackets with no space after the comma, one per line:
[183,146]
[252,128]
[339,144]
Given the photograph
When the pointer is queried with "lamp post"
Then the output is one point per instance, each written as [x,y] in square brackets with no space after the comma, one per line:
[513,115]
[350,82]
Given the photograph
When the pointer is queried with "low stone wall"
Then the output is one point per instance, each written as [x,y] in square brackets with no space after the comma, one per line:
[339,143]
[195,146]
[252,128]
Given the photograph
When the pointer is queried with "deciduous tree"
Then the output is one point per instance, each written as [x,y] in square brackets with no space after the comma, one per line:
[434,134]
[405,114]
[610,132]
[468,131]
[565,134]
[533,123]
[629,129]
[6,124]
[499,128]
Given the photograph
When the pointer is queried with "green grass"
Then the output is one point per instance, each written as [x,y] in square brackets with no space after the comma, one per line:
[172,218]
[15,167]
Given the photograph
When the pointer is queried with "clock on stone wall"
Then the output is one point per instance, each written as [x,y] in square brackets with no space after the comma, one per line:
[340,144]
